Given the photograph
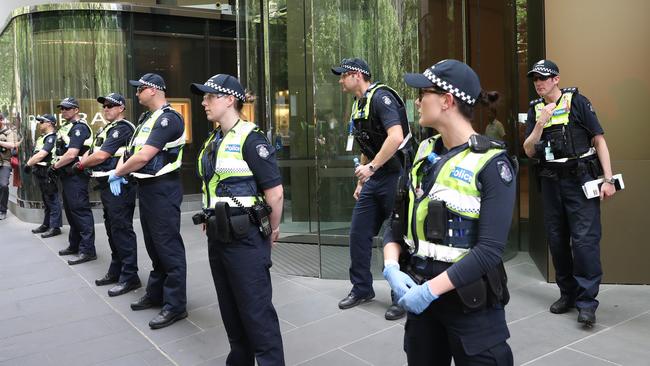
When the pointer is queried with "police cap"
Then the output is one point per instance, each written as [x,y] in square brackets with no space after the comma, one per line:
[46,118]
[544,68]
[453,76]
[151,80]
[352,64]
[112,99]
[68,102]
[220,84]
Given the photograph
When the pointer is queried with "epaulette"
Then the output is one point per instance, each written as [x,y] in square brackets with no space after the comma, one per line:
[569,90]
[170,109]
[538,100]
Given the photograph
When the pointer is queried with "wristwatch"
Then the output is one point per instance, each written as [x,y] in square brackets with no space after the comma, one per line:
[371,167]
[609,180]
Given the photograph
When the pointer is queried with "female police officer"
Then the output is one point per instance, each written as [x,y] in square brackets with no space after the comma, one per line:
[461,196]
[242,203]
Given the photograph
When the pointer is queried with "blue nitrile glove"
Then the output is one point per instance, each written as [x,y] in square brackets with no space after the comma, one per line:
[116,187]
[112,177]
[399,281]
[417,299]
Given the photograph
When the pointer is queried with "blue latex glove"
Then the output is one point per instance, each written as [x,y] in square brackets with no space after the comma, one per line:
[399,281]
[417,299]
[112,177]
[116,186]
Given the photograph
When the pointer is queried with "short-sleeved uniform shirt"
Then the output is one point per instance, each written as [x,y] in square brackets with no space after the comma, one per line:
[78,134]
[49,143]
[167,128]
[386,108]
[582,113]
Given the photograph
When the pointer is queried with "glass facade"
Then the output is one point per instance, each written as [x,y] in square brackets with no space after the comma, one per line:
[282,51]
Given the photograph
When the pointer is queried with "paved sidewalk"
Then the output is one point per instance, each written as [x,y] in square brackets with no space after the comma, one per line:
[53,314]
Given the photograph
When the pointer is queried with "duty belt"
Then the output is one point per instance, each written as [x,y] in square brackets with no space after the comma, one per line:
[592,151]
[437,252]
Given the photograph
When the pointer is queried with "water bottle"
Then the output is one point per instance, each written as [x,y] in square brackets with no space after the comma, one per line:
[433,158]
[356,162]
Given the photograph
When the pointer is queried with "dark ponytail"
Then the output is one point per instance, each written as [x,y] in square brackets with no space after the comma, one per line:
[486,98]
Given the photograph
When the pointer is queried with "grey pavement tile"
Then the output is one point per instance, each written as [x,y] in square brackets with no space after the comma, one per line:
[30,274]
[529,300]
[217,361]
[290,291]
[621,303]
[308,309]
[180,329]
[336,288]
[317,338]
[199,347]
[206,317]
[37,359]
[543,333]
[54,285]
[201,296]
[521,257]
[285,326]
[335,357]
[383,348]
[522,275]
[569,357]
[625,344]
[145,358]
[101,349]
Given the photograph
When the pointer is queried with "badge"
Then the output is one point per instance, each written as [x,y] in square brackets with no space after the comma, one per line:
[50,140]
[386,100]
[504,171]
[77,133]
[116,134]
[164,122]
[262,151]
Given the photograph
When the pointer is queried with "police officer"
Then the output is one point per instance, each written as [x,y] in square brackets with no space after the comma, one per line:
[107,148]
[242,201]
[564,133]
[461,196]
[73,140]
[8,142]
[378,124]
[38,164]
[154,158]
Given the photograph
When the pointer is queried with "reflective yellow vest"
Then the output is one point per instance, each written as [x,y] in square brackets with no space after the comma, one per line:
[456,186]
[64,134]
[560,113]
[228,163]
[140,137]
[40,143]
[99,141]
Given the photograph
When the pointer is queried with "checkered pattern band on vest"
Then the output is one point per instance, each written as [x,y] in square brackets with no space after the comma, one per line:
[545,70]
[352,68]
[114,101]
[151,85]
[220,88]
[449,87]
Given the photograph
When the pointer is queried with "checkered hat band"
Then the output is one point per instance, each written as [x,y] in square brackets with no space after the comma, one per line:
[220,88]
[151,84]
[352,68]
[544,69]
[115,101]
[449,87]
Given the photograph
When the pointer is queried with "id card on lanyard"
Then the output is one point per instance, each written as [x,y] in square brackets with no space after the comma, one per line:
[350,143]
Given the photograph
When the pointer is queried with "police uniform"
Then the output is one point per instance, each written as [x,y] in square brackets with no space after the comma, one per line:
[235,169]
[459,212]
[372,115]
[568,160]
[52,220]
[118,210]
[160,194]
[76,203]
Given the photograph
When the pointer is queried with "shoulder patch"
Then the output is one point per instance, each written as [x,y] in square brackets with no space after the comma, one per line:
[50,140]
[164,122]
[116,134]
[504,171]
[386,100]
[262,151]
[77,133]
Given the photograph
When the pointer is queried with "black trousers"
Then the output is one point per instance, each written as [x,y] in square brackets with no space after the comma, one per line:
[240,271]
[80,216]
[118,220]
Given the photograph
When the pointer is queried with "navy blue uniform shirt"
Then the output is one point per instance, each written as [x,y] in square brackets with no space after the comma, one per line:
[78,134]
[385,108]
[118,136]
[261,159]
[49,143]
[167,128]
[582,113]
[497,202]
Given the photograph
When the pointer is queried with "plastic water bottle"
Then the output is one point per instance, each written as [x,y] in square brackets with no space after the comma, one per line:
[356,162]
[433,158]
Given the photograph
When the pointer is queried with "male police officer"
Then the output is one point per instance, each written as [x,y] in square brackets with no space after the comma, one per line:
[154,159]
[8,142]
[107,148]
[39,164]
[565,134]
[379,125]
[74,139]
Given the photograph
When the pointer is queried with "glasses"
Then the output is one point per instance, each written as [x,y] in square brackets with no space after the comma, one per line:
[142,87]
[208,96]
[541,78]
[65,108]
[422,92]
[109,106]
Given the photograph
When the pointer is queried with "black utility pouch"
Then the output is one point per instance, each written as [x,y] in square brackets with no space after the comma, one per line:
[218,225]
[473,296]
[240,226]
[435,225]
[498,282]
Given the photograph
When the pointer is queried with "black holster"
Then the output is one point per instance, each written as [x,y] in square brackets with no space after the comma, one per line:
[218,225]
[489,290]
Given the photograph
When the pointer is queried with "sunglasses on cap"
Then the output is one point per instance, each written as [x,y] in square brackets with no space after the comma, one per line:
[66,108]
[109,106]
[541,77]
